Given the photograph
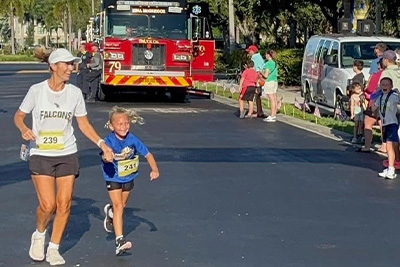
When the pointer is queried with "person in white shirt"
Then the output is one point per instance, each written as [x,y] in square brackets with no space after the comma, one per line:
[387,105]
[53,159]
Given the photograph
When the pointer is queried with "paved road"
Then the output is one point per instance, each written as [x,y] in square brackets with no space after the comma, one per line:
[231,193]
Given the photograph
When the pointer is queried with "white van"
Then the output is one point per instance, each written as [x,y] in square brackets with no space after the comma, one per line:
[328,65]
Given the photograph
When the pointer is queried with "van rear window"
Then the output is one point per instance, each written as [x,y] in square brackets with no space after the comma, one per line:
[361,50]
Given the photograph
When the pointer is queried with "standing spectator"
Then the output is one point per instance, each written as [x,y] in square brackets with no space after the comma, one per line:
[387,105]
[270,74]
[358,66]
[391,71]
[258,60]
[95,73]
[83,71]
[247,87]
[397,56]
[371,117]
[379,49]
[54,162]
[357,110]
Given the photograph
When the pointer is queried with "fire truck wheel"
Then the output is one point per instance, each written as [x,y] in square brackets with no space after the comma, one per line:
[178,95]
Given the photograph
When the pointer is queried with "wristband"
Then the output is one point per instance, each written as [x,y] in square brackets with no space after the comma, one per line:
[99,142]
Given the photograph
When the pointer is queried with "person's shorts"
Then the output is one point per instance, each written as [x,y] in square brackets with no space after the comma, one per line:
[359,117]
[270,88]
[124,186]
[54,166]
[389,133]
[249,94]
[372,114]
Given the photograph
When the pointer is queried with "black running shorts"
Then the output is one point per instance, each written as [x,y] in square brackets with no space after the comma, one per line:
[54,166]
[124,186]
[249,94]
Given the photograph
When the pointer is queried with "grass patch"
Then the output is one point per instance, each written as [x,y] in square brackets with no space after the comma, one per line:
[290,110]
[17,58]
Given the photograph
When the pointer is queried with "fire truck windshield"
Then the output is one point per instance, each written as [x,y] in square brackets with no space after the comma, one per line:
[171,26]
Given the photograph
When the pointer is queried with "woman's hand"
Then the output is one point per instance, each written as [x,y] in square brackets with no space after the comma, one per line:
[108,154]
[154,175]
[27,134]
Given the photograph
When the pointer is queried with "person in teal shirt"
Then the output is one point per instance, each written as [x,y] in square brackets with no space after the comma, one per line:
[258,60]
[270,74]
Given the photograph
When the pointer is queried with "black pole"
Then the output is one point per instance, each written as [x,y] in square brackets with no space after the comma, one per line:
[378,17]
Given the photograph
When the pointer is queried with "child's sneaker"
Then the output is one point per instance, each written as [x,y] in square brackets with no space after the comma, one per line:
[391,173]
[36,251]
[122,246]
[354,140]
[383,173]
[108,221]
[53,257]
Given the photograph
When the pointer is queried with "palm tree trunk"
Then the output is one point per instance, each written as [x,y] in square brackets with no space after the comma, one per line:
[65,28]
[69,29]
[12,42]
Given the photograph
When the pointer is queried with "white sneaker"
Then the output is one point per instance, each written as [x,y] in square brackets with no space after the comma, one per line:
[383,173]
[36,251]
[270,119]
[391,173]
[53,257]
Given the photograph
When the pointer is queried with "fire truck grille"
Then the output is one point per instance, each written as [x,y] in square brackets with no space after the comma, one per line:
[156,62]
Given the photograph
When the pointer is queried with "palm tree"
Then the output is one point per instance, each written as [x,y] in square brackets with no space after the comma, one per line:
[13,8]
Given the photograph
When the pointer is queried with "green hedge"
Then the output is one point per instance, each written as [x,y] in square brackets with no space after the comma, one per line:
[289,66]
[17,58]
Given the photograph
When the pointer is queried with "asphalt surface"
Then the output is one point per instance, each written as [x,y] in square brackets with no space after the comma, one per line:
[231,193]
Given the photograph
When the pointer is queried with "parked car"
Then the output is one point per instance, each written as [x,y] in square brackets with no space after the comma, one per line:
[328,66]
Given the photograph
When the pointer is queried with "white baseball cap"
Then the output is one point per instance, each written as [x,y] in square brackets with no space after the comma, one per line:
[62,55]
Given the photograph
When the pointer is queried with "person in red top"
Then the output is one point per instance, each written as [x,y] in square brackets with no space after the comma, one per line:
[247,87]
[372,117]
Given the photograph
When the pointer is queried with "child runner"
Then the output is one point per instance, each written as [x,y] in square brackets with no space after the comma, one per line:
[387,104]
[120,174]
[247,87]
[357,110]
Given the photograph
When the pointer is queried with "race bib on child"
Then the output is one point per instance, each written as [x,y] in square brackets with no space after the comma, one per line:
[50,140]
[127,167]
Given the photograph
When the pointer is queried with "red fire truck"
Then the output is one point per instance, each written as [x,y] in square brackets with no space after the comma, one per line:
[156,46]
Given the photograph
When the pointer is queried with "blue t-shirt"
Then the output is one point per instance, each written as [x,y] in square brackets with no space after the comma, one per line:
[258,62]
[374,66]
[123,169]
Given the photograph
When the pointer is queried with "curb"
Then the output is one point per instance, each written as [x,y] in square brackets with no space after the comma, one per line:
[298,123]
[20,62]
[333,134]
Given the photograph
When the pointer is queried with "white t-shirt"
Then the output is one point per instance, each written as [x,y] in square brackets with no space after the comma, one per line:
[391,108]
[52,114]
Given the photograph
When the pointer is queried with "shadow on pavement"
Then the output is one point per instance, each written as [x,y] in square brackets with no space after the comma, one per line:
[19,171]
[78,223]
[131,222]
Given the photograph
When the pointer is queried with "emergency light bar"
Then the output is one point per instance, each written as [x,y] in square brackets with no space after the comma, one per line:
[149,3]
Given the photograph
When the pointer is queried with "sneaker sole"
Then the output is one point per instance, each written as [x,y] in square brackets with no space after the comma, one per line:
[382,175]
[105,219]
[127,246]
[391,178]
[56,263]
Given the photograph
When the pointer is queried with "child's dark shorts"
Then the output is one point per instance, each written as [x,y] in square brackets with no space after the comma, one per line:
[54,166]
[389,133]
[249,94]
[124,186]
